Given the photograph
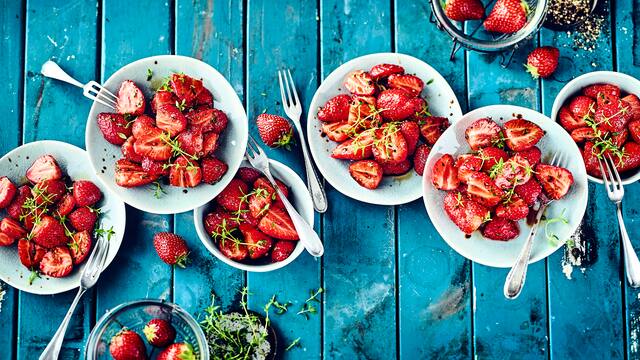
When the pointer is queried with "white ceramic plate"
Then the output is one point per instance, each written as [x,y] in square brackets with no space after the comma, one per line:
[299,197]
[504,253]
[103,155]
[393,190]
[627,84]
[74,162]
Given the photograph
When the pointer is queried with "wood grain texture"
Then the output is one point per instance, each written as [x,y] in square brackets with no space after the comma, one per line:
[434,299]
[72,43]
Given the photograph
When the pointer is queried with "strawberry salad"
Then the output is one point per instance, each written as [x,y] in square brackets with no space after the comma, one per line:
[249,222]
[177,139]
[383,125]
[500,180]
[51,217]
[604,122]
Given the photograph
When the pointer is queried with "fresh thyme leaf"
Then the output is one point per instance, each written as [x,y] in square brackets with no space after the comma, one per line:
[158,191]
[33,276]
[295,343]
[149,74]
[100,232]
[315,294]
[551,237]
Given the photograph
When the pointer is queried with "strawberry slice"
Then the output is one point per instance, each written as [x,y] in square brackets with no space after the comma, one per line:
[336,109]
[391,147]
[501,229]
[491,156]
[248,174]
[607,90]
[582,134]
[57,262]
[80,246]
[66,205]
[170,119]
[420,158]
[154,168]
[129,174]
[529,191]
[218,222]
[153,144]
[513,172]
[468,215]
[483,133]
[259,203]
[468,165]
[30,253]
[192,142]
[185,88]
[257,242]
[613,116]
[360,83]
[395,104]
[409,83]
[208,119]
[48,233]
[263,183]
[7,192]
[337,131]
[631,158]
[282,250]
[130,99]
[363,113]
[367,173]
[6,240]
[396,169]
[205,98]
[231,197]
[522,134]
[209,143]
[234,250]
[432,127]
[514,208]
[114,128]
[128,152]
[411,133]
[582,107]
[634,105]
[568,121]
[12,228]
[463,10]
[483,190]
[213,170]
[591,160]
[444,173]
[15,208]
[162,97]
[619,138]
[141,126]
[532,155]
[185,173]
[277,224]
[555,180]
[44,168]
[385,70]
[634,130]
[358,148]
[48,192]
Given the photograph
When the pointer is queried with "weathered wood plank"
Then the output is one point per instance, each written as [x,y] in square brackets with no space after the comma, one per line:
[434,282]
[519,328]
[212,32]
[359,262]
[70,40]
[290,42]
[137,272]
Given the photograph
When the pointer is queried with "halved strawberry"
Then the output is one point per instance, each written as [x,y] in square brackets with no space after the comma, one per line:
[210,143]
[260,202]
[57,262]
[128,152]
[233,250]
[185,88]
[634,106]
[467,165]
[463,10]
[634,130]
[114,128]
[619,138]
[501,229]
[66,205]
[468,215]
[631,157]
[367,173]
[555,180]
[86,193]
[7,192]
[445,174]
[248,174]
[529,191]
[219,122]
[335,109]
[162,97]
[213,170]
[204,98]
[130,99]
[44,168]
[153,144]
[491,156]
[218,222]
[15,209]
[363,113]
[582,107]
[395,104]
[483,190]
[608,90]
[568,121]
[277,224]
[154,168]
[80,246]
[141,126]
[591,160]
[522,134]
[30,253]
[390,146]
[191,141]
[409,83]
[420,158]
[532,155]
[282,250]
[514,208]
[257,242]
[483,133]
[48,233]
[48,192]
[506,16]
[208,119]
[355,149]
[411,133]
[337,131]
[397,168]
[384,70]
[129,174]
[613,116]
[263,183]
[6,240]
[185,173]
[360,83]
[513,172]
[170,119]
[432,127]
[83,219]
[231,197]
[12,228]
[582,134]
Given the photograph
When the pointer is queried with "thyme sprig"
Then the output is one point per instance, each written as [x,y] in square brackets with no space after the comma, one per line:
[551,237]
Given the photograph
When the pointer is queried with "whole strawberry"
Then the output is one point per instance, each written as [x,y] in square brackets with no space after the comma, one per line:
[507,16]
[86,193]
[159,332]
[171,248]
[462,10]
[179,351]
[275,130]
[542,61]
[127,345]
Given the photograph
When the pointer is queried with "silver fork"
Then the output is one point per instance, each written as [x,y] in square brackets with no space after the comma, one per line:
[517,275]
[615,191]
[308,236]
[92,89]
[293,109]
[90,274]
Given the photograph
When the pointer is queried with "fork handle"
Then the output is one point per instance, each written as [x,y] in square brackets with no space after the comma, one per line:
[631,263]
[52,70]
[52,351]
[316,189]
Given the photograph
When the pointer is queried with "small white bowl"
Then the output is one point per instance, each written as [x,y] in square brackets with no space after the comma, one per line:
[627,84]
[74,162]
[393,190]
[504,253]
[299,197]
[233,142]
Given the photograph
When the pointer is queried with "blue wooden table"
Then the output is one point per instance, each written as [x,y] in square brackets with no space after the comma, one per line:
[393,288]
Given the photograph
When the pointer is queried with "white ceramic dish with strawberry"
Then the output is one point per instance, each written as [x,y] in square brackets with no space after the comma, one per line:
[504,253]
[626,83]
[74,162]
[298,196]
[230,150]
[392,190]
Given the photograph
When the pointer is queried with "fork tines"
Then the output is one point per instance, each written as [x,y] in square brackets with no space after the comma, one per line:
[611,175]
[252,145]
[100,94]
[290,100]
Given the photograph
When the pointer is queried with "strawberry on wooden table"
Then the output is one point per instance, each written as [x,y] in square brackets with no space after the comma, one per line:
[542,61]
[130,99]
[127,345]
[507,16]
[171,248]
[159,332]
[463,10]
[274,130]
[44,168]
[7,192]
[367,173]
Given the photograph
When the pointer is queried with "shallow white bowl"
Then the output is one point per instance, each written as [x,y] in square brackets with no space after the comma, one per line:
[103,155]
[393,190]
[504,253]
[299,197]
[627,84]
[74,162]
